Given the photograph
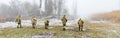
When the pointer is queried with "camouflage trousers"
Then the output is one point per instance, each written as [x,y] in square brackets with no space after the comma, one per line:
[81,27]
[33,25]
[46,26]
[19,25]
[64,25]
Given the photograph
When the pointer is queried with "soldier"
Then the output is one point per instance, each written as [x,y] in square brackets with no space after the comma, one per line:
[18,20]
[64,20]
[80,24]
[46,23]
[34,21]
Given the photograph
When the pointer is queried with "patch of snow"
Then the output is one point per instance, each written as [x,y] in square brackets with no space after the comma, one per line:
[8,24]
[69,27]
[44,35]
[97,21]
[26,22]
[59,22]
[39,22]
[50,27]
[14,24]
[117,33]
[84,29]
[114,31]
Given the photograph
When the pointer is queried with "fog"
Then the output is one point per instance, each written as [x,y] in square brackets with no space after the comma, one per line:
[89,7]
[84,8]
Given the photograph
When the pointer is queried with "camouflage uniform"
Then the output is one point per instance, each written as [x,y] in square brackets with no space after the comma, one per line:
[64,20]
[34,21]
[18,20]
[46,23]
[80,24]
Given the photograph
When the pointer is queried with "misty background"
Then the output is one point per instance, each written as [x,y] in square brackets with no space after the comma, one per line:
[9,9]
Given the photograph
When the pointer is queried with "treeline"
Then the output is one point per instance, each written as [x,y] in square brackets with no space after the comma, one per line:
[26,9]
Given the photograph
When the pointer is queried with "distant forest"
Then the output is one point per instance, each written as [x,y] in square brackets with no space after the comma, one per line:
[26,9]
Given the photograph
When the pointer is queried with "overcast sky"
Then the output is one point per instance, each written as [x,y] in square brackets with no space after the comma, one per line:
[86,8]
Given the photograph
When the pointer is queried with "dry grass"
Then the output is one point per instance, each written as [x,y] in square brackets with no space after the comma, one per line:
[113,16]
[28,32]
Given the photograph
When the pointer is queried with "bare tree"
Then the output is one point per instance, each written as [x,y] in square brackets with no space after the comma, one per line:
[54,7]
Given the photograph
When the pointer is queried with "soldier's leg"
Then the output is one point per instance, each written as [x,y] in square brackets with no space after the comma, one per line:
[81,27]
[46,26]
[64,27]
[64,24]
[18,25]
[33,25]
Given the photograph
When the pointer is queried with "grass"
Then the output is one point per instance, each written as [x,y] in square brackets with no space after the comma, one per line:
[28,32]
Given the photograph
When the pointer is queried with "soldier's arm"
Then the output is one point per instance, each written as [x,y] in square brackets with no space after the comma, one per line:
[66,20]
[47,21]
[78,22]
[35,19]
[83,22]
